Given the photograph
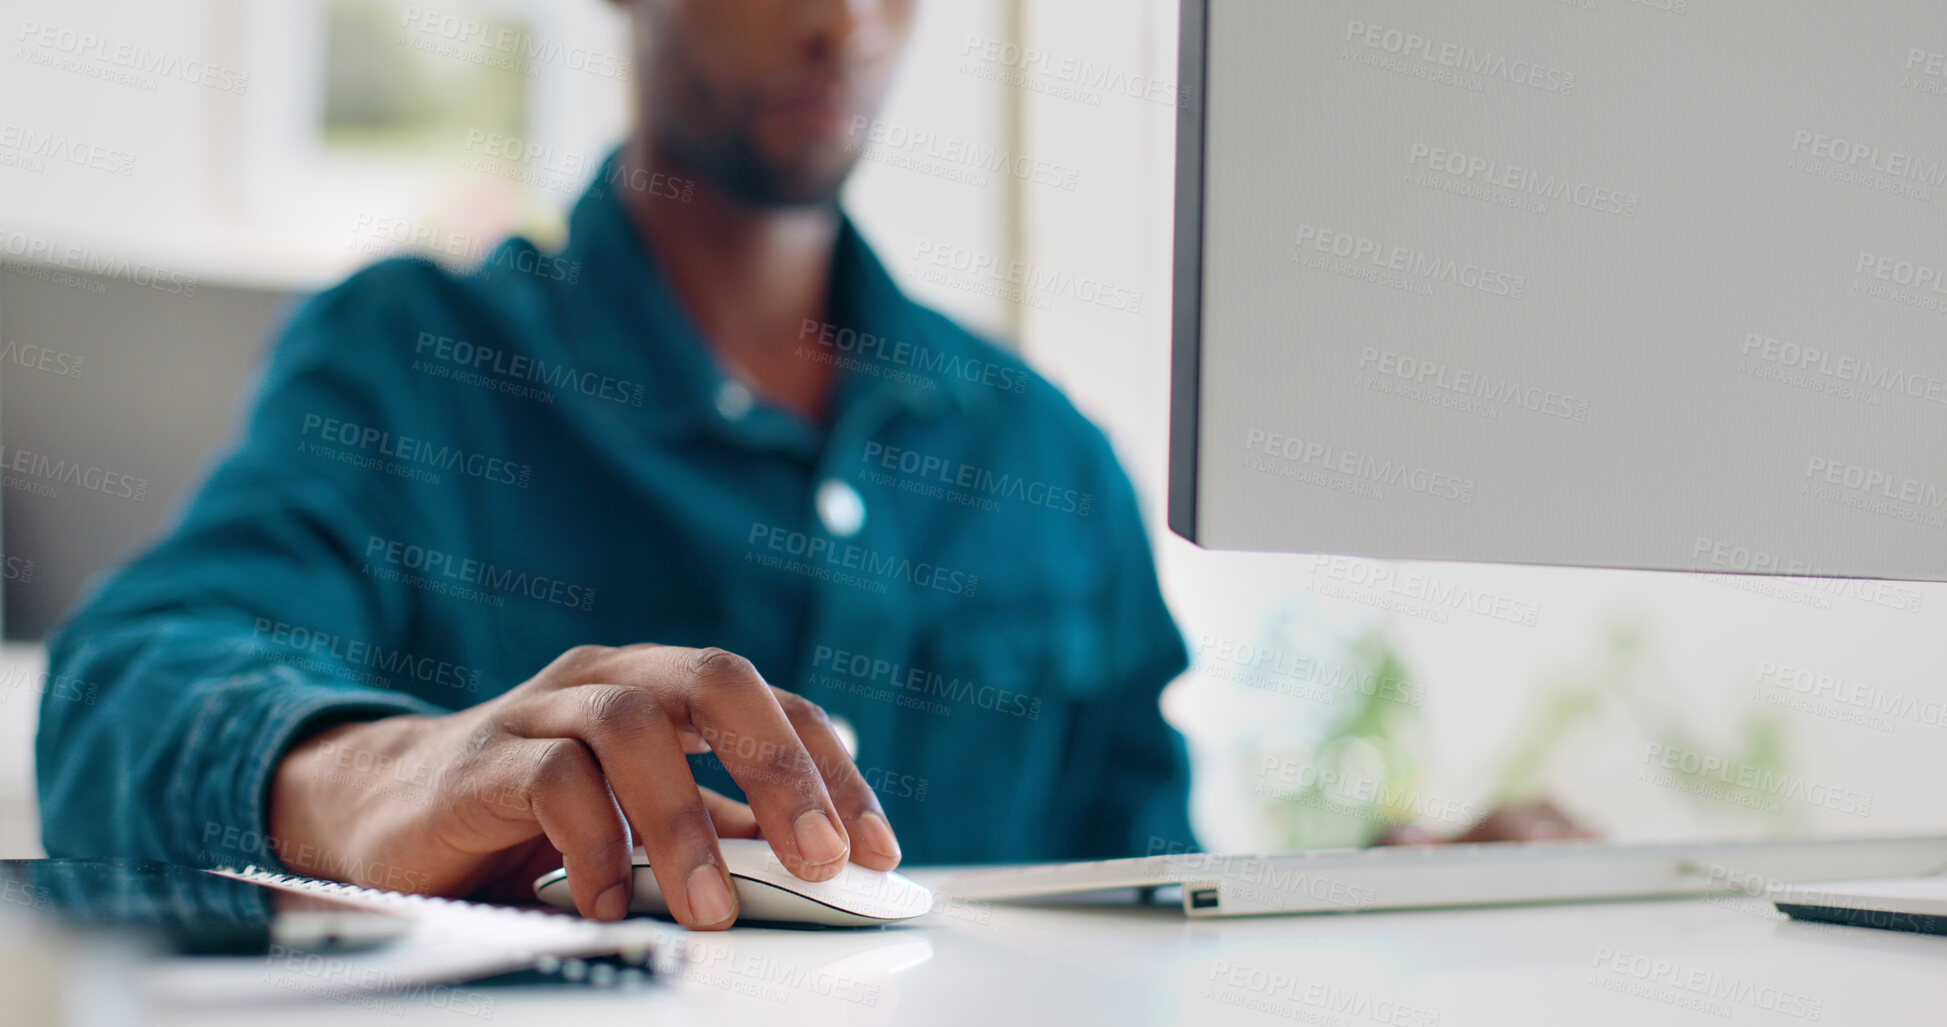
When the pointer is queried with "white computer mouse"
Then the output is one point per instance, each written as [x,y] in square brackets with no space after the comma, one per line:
[766,892]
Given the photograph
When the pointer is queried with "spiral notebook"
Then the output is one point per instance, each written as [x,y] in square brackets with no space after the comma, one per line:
[445,944]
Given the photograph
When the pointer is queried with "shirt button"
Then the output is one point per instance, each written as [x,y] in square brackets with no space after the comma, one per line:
[734,401]
[848,736]
[840,508]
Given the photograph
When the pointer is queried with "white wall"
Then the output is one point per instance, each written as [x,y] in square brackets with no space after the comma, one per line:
[914,194]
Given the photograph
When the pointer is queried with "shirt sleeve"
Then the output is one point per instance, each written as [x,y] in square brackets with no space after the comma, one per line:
[192,689]
[1128,772]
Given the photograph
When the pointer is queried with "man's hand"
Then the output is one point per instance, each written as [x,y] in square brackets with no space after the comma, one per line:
[565,769]
[1537,820]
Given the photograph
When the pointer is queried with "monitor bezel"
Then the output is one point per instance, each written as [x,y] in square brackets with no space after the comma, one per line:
[1186,317]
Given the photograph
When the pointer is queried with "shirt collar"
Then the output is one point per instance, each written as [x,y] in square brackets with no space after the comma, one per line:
[891,353]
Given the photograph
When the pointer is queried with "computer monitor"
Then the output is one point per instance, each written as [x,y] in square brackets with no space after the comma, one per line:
[1653,284]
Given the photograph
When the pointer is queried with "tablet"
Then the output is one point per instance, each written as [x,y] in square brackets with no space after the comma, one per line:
[1917,904]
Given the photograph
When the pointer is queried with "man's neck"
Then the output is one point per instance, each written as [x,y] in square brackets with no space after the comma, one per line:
[749,278]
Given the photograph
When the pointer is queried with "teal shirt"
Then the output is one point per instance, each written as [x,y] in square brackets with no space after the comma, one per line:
[448,480]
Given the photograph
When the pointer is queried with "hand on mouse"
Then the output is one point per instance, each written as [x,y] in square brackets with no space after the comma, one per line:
[571,768]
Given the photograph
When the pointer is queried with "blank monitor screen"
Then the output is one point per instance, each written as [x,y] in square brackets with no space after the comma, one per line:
[1613,283]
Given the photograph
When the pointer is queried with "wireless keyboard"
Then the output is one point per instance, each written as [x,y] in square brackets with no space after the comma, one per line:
[1444,876]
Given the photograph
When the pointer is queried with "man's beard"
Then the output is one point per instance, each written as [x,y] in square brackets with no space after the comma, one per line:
[735,163]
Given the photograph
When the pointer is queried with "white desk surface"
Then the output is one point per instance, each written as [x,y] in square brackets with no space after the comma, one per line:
[1704,961]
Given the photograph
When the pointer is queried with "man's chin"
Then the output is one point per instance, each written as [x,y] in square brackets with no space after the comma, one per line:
[802,173]
[803,184]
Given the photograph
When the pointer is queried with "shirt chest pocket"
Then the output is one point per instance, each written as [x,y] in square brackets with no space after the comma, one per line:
[1014,655]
